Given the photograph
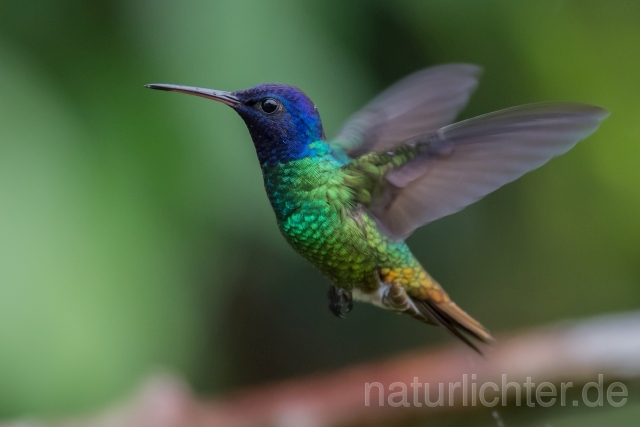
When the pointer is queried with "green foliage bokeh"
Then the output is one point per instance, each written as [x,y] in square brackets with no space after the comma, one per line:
[134,230]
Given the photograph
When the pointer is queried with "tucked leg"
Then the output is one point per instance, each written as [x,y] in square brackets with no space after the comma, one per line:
[337,298]
[396,298]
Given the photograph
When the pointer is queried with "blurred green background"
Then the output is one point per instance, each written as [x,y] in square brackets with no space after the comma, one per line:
[135,233]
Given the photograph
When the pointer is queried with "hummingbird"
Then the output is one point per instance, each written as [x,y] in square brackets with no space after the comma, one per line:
[348,204]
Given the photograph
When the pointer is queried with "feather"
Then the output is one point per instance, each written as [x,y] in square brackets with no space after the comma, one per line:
[467,160]
[454,320]
[422,102]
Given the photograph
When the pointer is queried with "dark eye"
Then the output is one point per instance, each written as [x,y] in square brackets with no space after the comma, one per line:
[269,105]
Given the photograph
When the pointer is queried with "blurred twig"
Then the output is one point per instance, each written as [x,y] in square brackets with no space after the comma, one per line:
[575,352]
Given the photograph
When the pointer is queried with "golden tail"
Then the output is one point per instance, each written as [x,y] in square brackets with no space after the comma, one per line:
[434,304]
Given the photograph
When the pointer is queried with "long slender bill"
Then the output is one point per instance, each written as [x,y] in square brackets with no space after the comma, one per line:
[217,95]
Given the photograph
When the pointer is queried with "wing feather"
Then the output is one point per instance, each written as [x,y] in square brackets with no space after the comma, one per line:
[481,155]
[422,102]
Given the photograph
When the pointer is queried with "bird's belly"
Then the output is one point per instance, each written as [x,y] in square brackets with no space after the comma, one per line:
[372,297]
[335,244]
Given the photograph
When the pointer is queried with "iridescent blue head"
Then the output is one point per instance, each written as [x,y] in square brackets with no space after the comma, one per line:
[282,120]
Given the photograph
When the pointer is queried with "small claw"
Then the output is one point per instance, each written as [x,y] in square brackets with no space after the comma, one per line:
[335,301]
[337,297]
[349,300]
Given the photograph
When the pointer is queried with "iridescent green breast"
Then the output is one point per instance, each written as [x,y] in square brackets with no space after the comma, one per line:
[313,210]
[318,215]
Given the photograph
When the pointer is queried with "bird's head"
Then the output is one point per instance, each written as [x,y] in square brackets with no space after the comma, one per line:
[281,119]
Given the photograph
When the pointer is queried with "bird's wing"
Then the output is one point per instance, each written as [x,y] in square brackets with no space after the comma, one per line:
[423,101]
[463,162]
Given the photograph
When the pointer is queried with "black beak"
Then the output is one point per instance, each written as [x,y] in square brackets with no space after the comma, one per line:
[217,95]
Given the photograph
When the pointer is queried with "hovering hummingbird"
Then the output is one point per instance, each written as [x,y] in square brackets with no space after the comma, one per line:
[348,204]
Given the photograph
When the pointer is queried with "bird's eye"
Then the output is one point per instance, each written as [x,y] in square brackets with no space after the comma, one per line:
[269,105]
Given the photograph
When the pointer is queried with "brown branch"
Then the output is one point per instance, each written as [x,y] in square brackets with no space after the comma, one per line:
[575,352]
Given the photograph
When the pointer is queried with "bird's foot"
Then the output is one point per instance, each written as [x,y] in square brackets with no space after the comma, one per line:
[337,298]
[396,298]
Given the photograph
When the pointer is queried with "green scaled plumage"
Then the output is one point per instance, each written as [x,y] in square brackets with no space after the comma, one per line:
[318,205]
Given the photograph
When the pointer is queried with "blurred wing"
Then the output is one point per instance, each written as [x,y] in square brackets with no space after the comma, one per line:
[470,159]
[422,102]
